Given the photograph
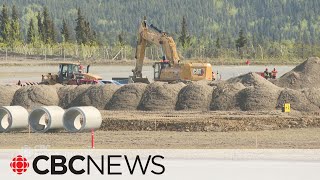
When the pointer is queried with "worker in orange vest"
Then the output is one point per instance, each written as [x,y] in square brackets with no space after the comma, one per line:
[274,73]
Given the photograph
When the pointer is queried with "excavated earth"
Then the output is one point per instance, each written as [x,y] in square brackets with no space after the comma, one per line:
[248,93]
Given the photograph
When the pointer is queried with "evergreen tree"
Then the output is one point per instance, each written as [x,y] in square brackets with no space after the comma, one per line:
[218,47]
[65,31]
[5,24]
[84,33]
[218,44]
[184,37]
[53,31]
[15,26]
[40,26]
[88,33]
[31,35]
[241,42]
[80,28]
[47,26]
[120,39]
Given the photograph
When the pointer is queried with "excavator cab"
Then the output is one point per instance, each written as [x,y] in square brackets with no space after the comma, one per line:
[158,67]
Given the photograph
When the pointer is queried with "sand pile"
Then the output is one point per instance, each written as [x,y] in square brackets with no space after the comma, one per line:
[127,97]
[34,96]
[195,96]
[250,79]
[6,94]
[259,94]
[305,75]
[71,95]
[224,96]
[160,96]
[313,95]
[97,96]
[298,101]
[258,98]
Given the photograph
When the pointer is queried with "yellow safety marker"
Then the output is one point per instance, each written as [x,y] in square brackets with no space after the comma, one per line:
[286,108]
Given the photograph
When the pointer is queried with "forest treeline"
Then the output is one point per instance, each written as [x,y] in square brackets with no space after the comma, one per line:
[214,29]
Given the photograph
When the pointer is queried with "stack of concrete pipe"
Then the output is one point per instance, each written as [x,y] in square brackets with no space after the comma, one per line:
[49,119]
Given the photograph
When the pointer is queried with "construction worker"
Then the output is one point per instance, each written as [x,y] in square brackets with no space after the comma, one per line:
[274,73]
[214,77]
[266,73]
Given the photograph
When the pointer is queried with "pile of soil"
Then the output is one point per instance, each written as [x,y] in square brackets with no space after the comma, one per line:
[305,75]
[224,96]
[249,79]
[160,96]
[298,100]
[35,96]
[97,96]
[195,96]
[71,95]
[258,98]
[6,94]
[127,97]
[313,95]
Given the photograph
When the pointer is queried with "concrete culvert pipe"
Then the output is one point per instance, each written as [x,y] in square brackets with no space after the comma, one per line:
[46,118]
[79,119]
[13,118]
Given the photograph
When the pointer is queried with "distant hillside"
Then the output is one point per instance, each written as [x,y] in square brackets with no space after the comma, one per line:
[262,20]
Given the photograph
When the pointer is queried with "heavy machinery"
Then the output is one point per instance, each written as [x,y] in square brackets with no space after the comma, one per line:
[71,74]
[169,69]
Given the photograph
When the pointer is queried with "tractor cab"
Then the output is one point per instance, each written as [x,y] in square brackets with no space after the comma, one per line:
[67,71]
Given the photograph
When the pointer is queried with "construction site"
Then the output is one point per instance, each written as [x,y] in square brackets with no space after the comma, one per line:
[185,105]
[241,112]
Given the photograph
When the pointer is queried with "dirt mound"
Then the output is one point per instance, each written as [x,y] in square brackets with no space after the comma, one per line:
[6,94]
[160,96]
[258,98]
[305,75]
[34,96]
[96,95]
[298,101]
[224,96]
[313,95]
[250,79]
[195,96]
[127,97]
[71,95]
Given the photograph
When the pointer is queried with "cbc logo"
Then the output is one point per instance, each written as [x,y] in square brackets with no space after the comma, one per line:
[19,165]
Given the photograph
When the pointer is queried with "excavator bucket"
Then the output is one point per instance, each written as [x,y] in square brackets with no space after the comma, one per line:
[140,80]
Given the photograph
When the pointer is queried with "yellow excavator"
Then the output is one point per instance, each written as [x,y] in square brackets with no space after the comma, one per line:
[169,69]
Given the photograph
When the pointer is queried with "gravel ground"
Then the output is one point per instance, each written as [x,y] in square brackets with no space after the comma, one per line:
[307,138]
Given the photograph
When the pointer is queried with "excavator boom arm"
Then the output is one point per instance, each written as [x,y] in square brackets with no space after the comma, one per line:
[158,38]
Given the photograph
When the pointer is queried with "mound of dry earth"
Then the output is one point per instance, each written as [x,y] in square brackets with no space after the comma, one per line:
[259,94]
[34,96]
[297,100]
[97,96]
[71,95]
[195,96]
[305,75]
[6,94]
[224,96]
[127,97]
[160,96]
[250,79]
[258,98]
[313,95]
